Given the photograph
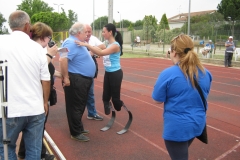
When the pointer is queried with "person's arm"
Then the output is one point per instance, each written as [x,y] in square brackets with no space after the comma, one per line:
[64,71]
[228,44]
[96,50]
[58,74]
[101,46]
[46,93]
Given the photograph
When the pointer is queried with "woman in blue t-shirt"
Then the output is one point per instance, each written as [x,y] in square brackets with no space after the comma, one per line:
[111,59]
[184,113]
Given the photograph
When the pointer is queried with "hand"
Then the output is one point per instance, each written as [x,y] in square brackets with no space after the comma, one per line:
[66,82]
[81,43]
[53,50]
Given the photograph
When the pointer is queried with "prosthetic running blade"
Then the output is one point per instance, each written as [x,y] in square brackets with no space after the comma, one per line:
[111,121]
[125,129]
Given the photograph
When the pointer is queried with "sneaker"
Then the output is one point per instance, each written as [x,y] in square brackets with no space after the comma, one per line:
[81,138]
[49,157]
[96,117]
[85,132]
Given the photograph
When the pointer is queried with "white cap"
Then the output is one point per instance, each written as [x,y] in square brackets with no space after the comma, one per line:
[231,37]
[210,41]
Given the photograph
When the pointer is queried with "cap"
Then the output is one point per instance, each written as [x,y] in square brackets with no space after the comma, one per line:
[231,37]
[210,41]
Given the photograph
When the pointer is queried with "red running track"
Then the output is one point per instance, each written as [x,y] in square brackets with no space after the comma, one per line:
[144,138]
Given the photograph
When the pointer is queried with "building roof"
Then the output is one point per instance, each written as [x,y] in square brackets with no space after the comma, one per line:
[182,17]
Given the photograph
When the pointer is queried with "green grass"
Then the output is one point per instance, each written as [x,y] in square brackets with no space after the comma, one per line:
[133,55]
[137,55]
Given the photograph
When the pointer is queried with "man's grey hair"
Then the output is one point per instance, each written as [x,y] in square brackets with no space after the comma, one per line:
[76,27]
[18,19]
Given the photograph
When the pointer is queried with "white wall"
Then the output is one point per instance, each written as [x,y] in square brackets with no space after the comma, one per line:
[176,25]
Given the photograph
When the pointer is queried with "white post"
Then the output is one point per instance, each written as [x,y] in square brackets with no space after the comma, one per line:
[189,17]
[93,16]
[110,11]
[120,23]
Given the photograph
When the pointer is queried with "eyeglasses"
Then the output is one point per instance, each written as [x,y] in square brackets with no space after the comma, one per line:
[49,37]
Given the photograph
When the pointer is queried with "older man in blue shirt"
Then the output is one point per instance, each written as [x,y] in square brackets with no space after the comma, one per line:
[78,70]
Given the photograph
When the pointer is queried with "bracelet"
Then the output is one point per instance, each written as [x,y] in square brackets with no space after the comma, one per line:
[49,55]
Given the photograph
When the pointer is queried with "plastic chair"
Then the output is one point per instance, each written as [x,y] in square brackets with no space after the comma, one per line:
[237,53]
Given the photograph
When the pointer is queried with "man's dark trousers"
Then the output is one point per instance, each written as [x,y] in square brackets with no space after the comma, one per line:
[76,99]
[228,59]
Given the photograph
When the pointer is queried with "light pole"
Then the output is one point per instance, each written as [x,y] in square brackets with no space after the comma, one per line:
[120,21]
[93,16]
[58,5]
[229,18]
[189,17]
[100,28]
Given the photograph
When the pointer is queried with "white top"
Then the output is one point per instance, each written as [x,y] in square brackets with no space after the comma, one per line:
[138,39]
[94,41]
[27,66]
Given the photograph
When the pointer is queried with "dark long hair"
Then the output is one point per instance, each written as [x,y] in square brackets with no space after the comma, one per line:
[117,35]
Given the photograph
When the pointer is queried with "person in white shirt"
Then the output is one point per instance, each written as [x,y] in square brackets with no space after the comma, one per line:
[28,87]
[93,41]
[138,40]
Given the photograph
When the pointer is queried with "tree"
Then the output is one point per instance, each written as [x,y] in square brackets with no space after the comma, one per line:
[138,24]
[100,22]
[72,17]
[230,10]
[2,20]
[58,22]
[149,27]
[34,6]
[163,23]
[126,23]
[130,27]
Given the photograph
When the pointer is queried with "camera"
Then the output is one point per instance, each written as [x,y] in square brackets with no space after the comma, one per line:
[51,43]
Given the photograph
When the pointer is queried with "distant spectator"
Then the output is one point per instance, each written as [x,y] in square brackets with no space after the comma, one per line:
[168,53]
[209,47]
[138,40]
[230,47]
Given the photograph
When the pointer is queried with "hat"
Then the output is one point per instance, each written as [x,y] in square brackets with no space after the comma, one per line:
[231,37]
[210,41]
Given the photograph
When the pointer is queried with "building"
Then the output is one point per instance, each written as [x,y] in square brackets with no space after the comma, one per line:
[179,20]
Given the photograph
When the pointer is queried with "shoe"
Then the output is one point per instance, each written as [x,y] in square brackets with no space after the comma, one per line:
[85,132]
[48,157]
[81,138]
[96,117]
[230,66]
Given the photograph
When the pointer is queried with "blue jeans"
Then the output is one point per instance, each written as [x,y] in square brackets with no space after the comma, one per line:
[91,102]
[32,127]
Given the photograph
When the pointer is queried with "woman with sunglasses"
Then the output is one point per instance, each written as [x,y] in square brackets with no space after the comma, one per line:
[184,113]
[41,33]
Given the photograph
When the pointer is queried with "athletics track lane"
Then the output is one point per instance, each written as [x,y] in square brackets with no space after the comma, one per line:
[143,140]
